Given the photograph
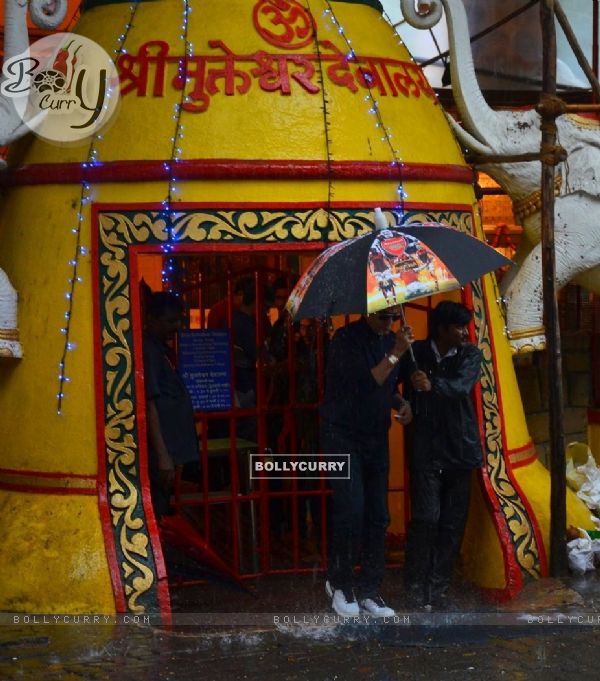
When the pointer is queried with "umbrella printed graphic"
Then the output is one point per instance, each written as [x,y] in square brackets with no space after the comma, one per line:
[402,268]
[389,267]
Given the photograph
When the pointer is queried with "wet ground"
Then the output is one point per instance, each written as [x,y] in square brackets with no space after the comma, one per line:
[552,631]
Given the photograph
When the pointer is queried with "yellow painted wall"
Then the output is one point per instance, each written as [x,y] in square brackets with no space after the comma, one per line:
[482,561]
[37,244]
[535,482]
[50,556]
[593,438]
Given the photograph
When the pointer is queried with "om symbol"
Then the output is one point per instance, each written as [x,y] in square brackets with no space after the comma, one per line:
[283,23]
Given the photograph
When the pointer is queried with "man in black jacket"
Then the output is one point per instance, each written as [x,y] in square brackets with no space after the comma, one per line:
[360,390]
[446,447]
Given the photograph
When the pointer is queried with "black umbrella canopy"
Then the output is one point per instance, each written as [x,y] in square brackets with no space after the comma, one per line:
[388,267]
[339,285]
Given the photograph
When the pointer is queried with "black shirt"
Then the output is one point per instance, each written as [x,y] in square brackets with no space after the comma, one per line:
[244,340]
[175,412]
[353,399]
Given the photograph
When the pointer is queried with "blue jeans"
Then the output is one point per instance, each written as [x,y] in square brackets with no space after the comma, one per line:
[359,510]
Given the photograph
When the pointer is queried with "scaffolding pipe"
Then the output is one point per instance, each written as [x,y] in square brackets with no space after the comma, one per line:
[549,111]
[577,51]
[595,28]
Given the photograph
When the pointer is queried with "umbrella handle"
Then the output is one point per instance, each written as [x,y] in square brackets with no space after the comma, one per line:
[410,349]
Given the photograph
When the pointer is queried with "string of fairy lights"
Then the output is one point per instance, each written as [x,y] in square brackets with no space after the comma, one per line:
[385,132]
[326,128]
[85,198]
[166,212]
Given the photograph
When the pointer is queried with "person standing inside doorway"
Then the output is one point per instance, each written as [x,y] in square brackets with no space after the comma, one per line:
[172,439]
[446,447]
[245,351]
[360,390]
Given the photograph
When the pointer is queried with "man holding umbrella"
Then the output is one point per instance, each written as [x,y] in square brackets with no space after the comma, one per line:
[446,447]
[360,390]
[421,259]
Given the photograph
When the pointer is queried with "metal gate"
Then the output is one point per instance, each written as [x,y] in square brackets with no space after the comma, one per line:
[261,525]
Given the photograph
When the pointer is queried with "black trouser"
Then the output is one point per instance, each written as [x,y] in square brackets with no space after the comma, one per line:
[161,498]
[439,506]
[359,511]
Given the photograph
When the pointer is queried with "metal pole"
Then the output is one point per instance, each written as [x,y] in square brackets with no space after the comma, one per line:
[595,28]
[558,553]
[411,352]
[577,51]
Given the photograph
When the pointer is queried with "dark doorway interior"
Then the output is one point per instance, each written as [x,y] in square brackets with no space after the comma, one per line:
[256,526]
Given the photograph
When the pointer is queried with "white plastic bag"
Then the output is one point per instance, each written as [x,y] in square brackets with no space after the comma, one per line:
[583,478]
[583,553]
[575,479]
[589,492]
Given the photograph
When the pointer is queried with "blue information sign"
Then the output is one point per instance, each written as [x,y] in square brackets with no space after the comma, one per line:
[203,356]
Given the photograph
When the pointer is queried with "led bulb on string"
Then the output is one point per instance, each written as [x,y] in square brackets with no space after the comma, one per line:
[176,151]
[85,198]
[373,108]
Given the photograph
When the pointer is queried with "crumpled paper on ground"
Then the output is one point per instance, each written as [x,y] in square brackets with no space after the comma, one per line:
[583,476]
[584,479]
[583,553]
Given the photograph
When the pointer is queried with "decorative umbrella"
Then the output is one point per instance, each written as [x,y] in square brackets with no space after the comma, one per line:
[388,267]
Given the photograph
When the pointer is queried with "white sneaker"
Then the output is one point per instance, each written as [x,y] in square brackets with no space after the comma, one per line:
[343,603]
[376,607]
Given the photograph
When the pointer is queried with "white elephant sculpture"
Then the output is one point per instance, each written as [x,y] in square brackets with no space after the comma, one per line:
[577,210]
[9,333]
[47,14]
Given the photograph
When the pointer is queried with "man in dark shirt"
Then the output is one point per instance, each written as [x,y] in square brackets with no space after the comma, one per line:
[360,391]
[245,352]
[446,447]
[218,317]
[172,439]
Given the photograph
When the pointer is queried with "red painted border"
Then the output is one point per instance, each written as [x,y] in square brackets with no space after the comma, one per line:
[46,474]
[525,462]
[201,247]
[61,491]
[133,252]
[103,504]
[232,169]
[281,205]
[47,489]
[593,416]
[533,518]
[162,586]
[512,572]
[523,448]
